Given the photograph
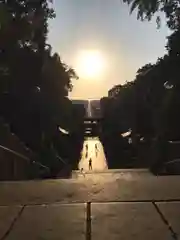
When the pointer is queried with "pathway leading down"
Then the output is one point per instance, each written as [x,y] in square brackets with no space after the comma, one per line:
[93,149]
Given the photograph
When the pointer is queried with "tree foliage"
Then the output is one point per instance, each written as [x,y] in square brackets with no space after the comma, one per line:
[146,9]
[148,106]
[34,83]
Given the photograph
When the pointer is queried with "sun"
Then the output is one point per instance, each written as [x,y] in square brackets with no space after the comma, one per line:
[90,64]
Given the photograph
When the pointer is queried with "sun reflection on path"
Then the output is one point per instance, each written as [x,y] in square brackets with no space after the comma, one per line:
[96,154]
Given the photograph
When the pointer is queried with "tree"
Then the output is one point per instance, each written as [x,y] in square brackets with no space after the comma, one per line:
[21,56]
[147,8]
[35,84]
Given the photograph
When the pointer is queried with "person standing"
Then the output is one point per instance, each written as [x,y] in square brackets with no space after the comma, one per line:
[86,155]
[86,146]
[96,150]
[90,164]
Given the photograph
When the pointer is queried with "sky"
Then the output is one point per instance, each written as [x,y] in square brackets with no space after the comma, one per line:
[104,26]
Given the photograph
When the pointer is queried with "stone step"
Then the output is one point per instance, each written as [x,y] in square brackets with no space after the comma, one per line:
[116,204]
[111,173]
[139,170]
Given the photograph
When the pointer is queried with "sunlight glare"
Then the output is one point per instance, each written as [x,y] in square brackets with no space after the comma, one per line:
[90,65]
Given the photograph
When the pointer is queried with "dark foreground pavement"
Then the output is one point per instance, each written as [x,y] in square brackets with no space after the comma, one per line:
[111,205]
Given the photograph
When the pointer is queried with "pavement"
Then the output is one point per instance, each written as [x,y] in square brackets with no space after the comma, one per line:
[114,204]
[93,149]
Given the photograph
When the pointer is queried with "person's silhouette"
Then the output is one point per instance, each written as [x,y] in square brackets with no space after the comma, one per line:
[86,155]
[82,172]
[90,164]
[96,150]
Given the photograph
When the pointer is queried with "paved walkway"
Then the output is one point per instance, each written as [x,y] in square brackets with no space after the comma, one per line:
[111,205]
[93,149]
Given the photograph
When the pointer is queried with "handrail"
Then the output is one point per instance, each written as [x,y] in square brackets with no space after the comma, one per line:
[174,142]
[62,160]
[172,161]
[15,153]
[23,157]
[41,165]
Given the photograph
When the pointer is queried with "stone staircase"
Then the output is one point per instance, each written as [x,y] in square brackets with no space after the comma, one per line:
[11,141]
[16,159]
[115,204]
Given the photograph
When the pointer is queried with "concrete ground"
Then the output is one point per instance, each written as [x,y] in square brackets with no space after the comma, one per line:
[115,204]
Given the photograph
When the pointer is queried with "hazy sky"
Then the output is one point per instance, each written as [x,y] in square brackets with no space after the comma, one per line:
[104,25]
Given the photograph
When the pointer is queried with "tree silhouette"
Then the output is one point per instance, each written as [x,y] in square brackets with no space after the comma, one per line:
[35,83]
[149,106]
[146,9]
